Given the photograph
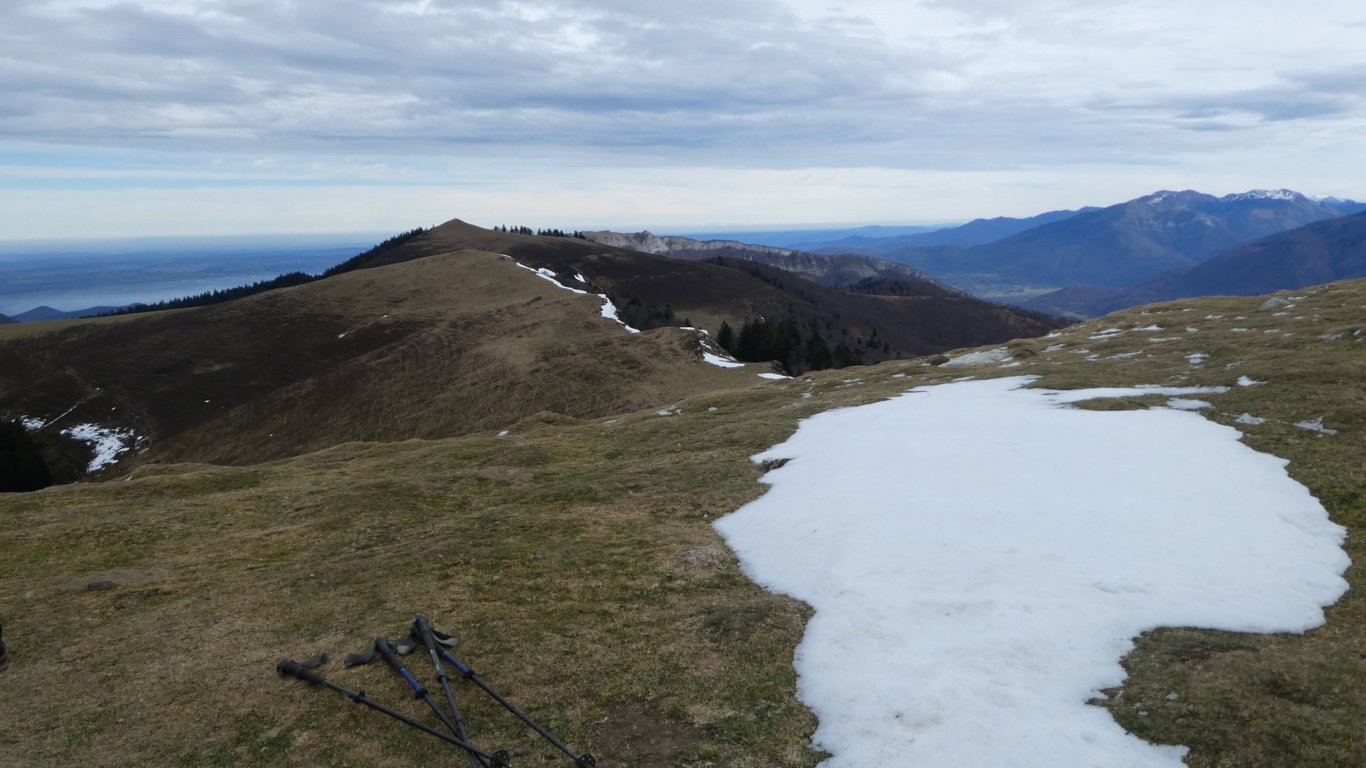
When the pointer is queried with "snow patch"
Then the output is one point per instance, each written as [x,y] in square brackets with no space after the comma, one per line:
[773,376]
[1250,420]
[106,442]
[997,355]
[721,362]
[1248,381]
[1316,425]
[966,623]
[1197,358]
[1186,404]
[609,310]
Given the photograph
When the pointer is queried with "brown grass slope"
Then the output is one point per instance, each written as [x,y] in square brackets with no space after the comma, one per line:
[458,342]
[706,293]
[578,564]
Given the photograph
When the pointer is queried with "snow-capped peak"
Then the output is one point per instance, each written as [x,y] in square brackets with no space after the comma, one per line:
[1264,194]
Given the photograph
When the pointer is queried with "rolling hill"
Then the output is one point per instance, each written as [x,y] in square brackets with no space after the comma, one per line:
[442,335]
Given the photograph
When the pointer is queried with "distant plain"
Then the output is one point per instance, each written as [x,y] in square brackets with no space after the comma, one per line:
[75,275]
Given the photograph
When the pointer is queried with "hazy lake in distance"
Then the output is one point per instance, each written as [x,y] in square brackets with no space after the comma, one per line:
[74,275]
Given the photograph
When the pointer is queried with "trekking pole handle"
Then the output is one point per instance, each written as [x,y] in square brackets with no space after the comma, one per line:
[391,657]
[304,672]
[292,668]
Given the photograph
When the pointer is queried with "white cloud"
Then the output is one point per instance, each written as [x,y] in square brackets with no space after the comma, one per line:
[1055,89]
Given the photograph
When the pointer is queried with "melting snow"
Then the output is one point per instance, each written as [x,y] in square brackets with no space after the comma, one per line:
[1250,420]
[1316,425]
[974,588]
[106,442]
[1186,404]
[721,361]
[773,376]
[1248,381]
[998,355]
[609,310]
[1197,358]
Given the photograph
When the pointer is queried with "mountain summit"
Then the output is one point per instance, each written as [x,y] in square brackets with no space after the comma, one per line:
[1125,244]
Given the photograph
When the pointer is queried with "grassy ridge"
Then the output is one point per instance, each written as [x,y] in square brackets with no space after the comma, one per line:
[576,561]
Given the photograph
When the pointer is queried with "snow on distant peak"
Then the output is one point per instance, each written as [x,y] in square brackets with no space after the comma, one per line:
[1263,194]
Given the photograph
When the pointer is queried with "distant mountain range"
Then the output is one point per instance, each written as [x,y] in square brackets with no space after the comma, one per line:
[1321,252]
[48,313]
[1122,245]
[6,319]
[976,232]
[835,270]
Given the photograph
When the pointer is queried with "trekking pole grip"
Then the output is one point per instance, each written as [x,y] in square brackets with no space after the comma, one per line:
[292,668]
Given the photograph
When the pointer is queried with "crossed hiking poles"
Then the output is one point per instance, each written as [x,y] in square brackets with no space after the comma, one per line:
[436,643]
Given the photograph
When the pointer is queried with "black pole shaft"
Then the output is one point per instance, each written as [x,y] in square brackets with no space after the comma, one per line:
[390,656]
[294,669]
[423,629]
[467,673]
[460,731]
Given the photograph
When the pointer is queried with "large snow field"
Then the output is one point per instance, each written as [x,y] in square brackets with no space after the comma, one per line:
[979,557]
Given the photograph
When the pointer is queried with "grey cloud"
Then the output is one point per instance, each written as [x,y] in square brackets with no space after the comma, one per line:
[266,69]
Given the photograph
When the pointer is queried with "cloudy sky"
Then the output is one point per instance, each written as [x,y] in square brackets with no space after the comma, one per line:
[142,117]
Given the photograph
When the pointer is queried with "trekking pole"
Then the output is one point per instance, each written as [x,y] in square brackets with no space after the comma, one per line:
[304,671]
[384,650]
[585,760]
[422,631]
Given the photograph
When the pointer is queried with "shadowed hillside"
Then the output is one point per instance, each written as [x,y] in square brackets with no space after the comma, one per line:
[459,342]
[436,334]
[655,289]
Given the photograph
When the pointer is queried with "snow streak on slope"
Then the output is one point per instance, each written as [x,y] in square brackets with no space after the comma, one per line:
[609,310]
[979,557]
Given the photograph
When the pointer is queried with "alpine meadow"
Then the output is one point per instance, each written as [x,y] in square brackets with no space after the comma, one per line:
[773,384]
[445,432]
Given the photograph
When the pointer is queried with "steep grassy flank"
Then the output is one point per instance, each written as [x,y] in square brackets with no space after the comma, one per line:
[577,562]
[451,344]
[735,289]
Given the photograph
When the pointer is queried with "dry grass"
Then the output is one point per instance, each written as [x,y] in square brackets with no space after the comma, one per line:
[576,561]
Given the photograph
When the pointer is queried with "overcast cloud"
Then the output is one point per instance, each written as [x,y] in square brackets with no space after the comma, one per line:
[184,116]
